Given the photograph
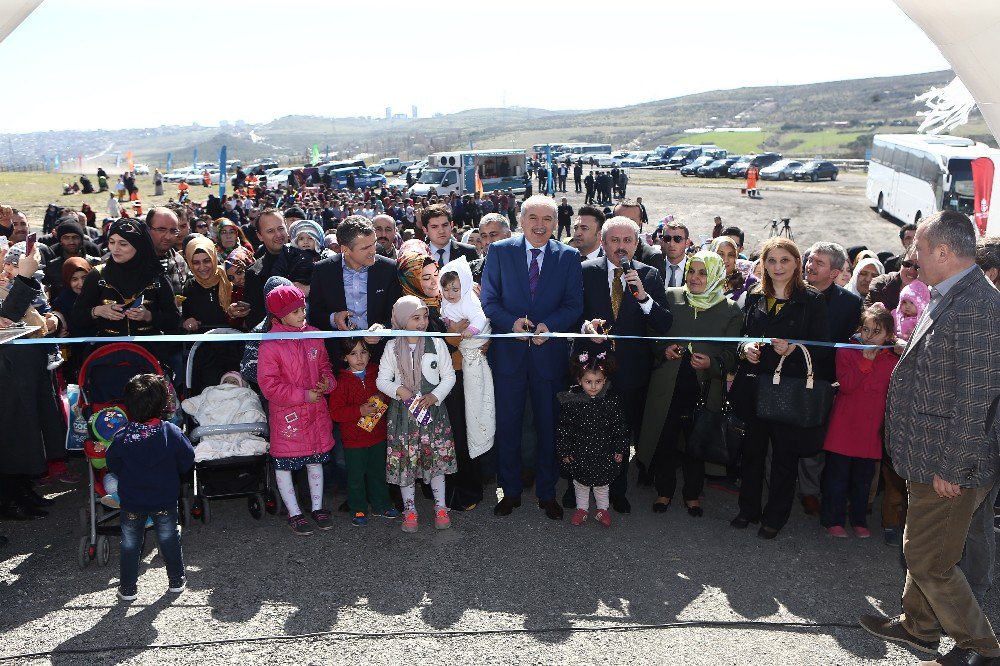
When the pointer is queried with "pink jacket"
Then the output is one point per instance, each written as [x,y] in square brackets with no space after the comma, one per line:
[859,409]
[286,371]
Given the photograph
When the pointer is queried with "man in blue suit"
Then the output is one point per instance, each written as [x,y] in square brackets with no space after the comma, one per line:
[530,284]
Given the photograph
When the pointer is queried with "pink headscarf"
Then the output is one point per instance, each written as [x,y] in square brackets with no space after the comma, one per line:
[917,293]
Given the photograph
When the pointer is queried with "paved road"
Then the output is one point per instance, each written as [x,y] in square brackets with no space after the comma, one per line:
[549,592]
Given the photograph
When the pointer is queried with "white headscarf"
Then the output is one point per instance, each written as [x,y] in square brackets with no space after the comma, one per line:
[457,311]
[852,286]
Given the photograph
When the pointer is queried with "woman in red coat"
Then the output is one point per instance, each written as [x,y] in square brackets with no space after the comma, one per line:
[854,439]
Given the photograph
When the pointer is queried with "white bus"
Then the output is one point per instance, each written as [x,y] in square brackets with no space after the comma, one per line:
[911,176]
[587,148]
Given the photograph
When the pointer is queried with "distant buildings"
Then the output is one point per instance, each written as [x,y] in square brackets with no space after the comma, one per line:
[413,111]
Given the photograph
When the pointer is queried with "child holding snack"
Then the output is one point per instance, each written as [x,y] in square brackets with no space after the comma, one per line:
[418,374]
[359,407]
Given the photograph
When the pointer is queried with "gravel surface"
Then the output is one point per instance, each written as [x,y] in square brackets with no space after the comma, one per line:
[651,589]
[545,591]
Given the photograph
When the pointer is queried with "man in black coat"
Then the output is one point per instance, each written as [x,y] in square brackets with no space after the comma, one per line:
[589,184]
[270,228]
[643,311]
[354,290]
[564,213]
[578,175]
[826,262]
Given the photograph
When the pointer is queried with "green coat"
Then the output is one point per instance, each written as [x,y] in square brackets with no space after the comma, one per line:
[723,320]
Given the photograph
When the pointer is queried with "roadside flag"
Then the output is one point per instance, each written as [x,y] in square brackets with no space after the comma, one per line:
[170,161]
[131,162]
[194,160]
[315,159]
[479,183]
[56,162]
[327,151]
[118,160]
[222,172]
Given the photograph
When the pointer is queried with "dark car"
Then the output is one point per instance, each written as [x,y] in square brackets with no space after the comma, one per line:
[718,167]
[739,170]
[691,169]
[815,170]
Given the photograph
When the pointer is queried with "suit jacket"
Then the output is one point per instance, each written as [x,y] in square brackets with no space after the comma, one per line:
[257,276]
[843,314]
[557,303]
[600,253]
[659,262]
[457,250]
[635,357]
[944,388]
[326,295]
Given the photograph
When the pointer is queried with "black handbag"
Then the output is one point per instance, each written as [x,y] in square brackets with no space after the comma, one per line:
[796,401]
[716,436]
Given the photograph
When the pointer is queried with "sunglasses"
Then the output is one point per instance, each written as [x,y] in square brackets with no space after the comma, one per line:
[676,239]
[906,263]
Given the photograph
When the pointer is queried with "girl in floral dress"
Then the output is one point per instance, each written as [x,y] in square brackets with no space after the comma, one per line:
[417,373]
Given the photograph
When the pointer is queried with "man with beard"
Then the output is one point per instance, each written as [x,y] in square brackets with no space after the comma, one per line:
[385,235]
[631,302]
[70,236]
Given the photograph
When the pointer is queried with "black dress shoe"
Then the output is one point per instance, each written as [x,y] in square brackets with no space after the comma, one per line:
[766,532]
[961,657]
[569,498]
[621,505]
[34,499]
[552,509]
[11,511]
[660,507]
[740,523]
[506,505]
[695,511]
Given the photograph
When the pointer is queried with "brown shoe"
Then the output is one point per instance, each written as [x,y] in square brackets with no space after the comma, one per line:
[891,629]
[506,505]
[810,505]
[552,509]
[960,657]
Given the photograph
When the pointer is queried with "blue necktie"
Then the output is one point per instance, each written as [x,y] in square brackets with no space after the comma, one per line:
[534,271]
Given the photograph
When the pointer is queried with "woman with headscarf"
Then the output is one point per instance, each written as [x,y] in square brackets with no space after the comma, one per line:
[229,238]
[865,271]
[74,272]
[208,293]
[129,294]
[682,373]
[738,279]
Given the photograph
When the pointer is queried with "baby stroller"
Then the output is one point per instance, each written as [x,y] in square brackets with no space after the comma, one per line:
[103,377]
[236,477]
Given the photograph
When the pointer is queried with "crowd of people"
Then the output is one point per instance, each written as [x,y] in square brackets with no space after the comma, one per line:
[457,412]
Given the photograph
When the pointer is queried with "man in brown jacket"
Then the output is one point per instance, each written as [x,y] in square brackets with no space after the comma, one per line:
[942,435]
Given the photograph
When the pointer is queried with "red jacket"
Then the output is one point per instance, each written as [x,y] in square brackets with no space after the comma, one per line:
[345,408]
[859,409]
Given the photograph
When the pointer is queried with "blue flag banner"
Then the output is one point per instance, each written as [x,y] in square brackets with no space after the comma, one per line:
[548,166]
[194,160]
[222,172]
[170,161]
[55,163]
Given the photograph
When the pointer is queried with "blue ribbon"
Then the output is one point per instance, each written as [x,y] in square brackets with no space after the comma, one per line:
[388,333]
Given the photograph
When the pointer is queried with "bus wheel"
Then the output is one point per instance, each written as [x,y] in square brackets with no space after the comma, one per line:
[879,207]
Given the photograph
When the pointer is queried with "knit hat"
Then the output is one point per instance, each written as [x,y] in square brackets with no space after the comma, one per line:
[234,378]
[15,253]
[106,423]
[274,282]
[69,226]
[284,300]
[917,293]
[311,228]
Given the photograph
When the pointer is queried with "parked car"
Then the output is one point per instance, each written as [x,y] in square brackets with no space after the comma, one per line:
[277,178]
[815,170]
[691,169]
[717,168]
[606,161]
[687,155]
[390,165]
[654,159]
[739,170]
[780,170]
[634,159]
[260,168]
[177,175]
[363,177]
[141,170]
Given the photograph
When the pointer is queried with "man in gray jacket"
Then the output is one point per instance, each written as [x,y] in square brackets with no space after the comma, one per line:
[942,436]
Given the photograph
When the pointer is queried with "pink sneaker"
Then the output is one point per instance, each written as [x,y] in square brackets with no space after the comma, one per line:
[410,521]
[862,532]
[441,519]
[837,531]
[579,517]
[603,517]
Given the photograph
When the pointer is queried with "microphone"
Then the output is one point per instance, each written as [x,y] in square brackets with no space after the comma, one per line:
[626,267]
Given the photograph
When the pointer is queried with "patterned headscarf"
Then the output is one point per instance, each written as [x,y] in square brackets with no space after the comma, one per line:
[409,265]
[714,290]
[219,277]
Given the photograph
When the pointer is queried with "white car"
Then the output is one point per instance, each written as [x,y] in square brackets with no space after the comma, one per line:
[780,170]
[607,161]
[141,170]
[177,175]
[278,178]
[196,177]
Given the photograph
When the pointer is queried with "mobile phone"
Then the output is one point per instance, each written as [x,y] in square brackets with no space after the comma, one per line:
[29,243]
[137,303]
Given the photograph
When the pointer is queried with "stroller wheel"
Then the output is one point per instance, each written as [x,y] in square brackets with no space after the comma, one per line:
[256,505]
[271,502]
[83,552]
[197,508]
[103,551]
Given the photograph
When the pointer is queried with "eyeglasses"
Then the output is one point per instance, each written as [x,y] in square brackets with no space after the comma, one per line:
[676,239]
[906,263]
[165,230]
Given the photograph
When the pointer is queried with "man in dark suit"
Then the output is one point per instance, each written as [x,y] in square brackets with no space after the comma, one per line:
[492,228]
[273,235]
[942,433]
[565,216]
[825,264]
[646,254]
[438,227]
[609,304]
[530,284]
[589,183]
[354,290]
[587,232]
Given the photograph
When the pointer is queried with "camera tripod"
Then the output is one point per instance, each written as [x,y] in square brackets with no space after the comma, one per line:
[785,229]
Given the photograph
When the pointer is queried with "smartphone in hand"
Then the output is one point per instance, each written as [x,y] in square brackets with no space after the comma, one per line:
[29,243]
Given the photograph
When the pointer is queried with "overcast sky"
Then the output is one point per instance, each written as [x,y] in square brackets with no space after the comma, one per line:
[74,64]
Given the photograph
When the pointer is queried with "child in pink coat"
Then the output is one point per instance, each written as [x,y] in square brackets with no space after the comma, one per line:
[913,300]
[294,375]
[853,442]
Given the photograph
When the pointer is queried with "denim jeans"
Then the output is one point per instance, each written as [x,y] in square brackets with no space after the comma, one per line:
[168,537]
[846,480]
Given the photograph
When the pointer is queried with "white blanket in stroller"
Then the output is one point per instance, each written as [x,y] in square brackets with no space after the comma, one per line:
[227,404]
